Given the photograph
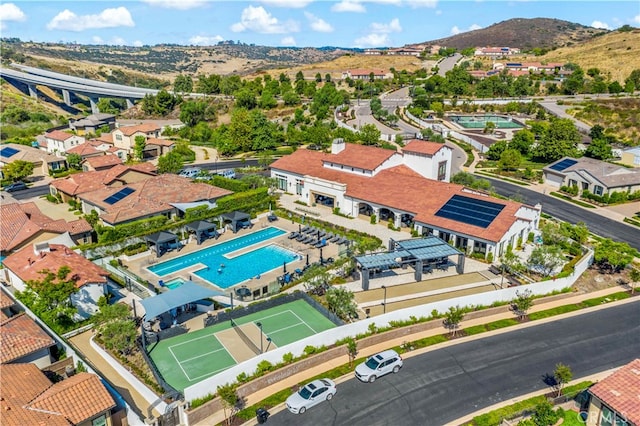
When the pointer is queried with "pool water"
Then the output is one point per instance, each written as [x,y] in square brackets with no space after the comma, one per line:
[480,121]
[226,272]
[174,283]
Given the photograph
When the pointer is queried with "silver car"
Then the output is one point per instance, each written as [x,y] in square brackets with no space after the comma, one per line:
[310,395]
[378,365]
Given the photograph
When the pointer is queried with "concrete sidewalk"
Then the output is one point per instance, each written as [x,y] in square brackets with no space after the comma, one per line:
[294,380]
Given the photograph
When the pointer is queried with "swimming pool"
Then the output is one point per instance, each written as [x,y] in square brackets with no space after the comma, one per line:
[480,121]
[174,283]
[236,269]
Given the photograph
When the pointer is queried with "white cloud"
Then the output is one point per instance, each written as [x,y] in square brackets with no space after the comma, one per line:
[9,12]
[288,41]
[200,40]
[600,25]
[115,41]
[317,24]
[391,27]
[118,41]
[176,4]
[293,4]
[432,4]
[348,6]
[636,19]
[260,21]
[138,43]
[372,40]
[97,40]
[455,30]
[108,18]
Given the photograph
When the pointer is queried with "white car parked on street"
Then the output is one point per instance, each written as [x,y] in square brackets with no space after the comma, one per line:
[310,395]
[378,365]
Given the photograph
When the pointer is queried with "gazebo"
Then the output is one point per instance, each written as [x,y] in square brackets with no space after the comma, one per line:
[203,229]
[237,219]
[162,241]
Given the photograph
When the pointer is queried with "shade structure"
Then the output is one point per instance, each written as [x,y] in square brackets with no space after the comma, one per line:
[235,218]
[161,240]
[188,292]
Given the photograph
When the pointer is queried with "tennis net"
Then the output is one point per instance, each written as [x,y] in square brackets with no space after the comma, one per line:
[245,338]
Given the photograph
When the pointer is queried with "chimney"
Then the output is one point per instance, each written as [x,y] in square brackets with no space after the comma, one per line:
[30,261]
[337,146]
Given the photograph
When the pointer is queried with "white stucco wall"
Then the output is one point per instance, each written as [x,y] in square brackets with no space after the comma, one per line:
[86,299]
[553,179]
[427,166]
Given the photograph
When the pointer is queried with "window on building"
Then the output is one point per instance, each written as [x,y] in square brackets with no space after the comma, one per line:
[598,190]
[99,421]
[118,137]
[573,182]
[281,182]
[299,186]
[442,170]
[479,247]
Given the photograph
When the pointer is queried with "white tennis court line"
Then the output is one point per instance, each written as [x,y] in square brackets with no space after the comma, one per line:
[201,355]
[286,328]
[193,340]
[179,364]
[225,348]
[301,320]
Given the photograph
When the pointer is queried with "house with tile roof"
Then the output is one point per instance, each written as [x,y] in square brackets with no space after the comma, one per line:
[59,142]
[103,162]
[125,137]
[70,187]
[42,161]
[24,341]
[365,74]
[615,400]
[30,398]
[92,123]
[23,224]
[588,174]
[166,194]
[407,188]
[90,279]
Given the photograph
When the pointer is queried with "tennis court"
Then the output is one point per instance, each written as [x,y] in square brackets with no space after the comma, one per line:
[192,357]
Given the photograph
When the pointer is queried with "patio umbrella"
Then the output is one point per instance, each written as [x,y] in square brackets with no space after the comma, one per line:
[299,228]
[284,267]
[321,260]
[307,259]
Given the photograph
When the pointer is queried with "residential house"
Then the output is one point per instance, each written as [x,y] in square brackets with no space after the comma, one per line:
[24,341]
[92,123]
[366,74]
[615,400]
[631,157]
[156,147]
[166,194]
[42,161]
[70,187]
[496,51]
[374,52]
[405,51]
[85,150]
[30,398]
[125,137]
[59,142]
[595,176]
[105,143]
[104,162]
[23,224]
[28,263]
[407,188]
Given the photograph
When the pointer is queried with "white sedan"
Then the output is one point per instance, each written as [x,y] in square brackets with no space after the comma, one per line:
[311,394]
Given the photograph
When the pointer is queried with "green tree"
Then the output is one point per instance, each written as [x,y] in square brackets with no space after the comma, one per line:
[115,329]
[545,259]
[522,141]
[291,98]
[74,161]
[352,350]
[369,134]
[18,170]
[613,256]
[633,80]
[164,102]
[438,109]
[521,304]
[246,99]
[543,415]
[574,83]
[510,159]
[341,302]
[559,140]
[231,401]
[452,319]
[192,112]
[267,100]
[599,149]
[596,132]
[299,76]
[183,84]
[318,78]
[615,87]
[634,276]
[563,375]
[171,162]
[496,149]
[140,142]
[489,127]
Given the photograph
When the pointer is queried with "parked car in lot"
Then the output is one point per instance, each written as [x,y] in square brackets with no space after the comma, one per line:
[229,174]
[310,395]
[378,365]
[190,172]
[16,186]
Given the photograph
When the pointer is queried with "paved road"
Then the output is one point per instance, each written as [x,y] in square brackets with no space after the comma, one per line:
[448,63]
[568,212]
[35,191]
[446,384]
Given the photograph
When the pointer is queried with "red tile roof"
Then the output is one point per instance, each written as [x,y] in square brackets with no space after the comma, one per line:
[402,189]
[79,183]
[361,156]
[21,336]
[29,398]
[58,135]
[5,300]
[20,384]
[78,398]
[423,147]
[103,161]
[104,138]
[84,149]
[143,128]
[160,142]
[621,391]
[21,222]
[27,265]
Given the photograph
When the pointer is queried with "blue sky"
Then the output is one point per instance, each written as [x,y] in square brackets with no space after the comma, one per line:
[302,23]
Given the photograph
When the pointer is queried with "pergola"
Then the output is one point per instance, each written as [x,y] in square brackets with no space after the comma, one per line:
[235,217]
[202,229]
[161,240]
[417,252]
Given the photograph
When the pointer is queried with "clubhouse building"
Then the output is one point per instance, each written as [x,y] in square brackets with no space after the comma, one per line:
[407,188]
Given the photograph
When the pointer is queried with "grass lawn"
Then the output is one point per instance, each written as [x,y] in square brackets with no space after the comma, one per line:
[571,418]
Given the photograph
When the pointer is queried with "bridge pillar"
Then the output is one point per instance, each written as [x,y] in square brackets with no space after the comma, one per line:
[129,103]
[66,97]
[93,100]
[33,92]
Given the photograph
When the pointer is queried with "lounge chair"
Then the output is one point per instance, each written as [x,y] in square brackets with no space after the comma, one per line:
[305,229]
[306,240]
[335,239]
[320,244]
[313,242]
[301,237]
[293,235]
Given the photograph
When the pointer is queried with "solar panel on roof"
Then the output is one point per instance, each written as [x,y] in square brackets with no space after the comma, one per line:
[7,151]
[566,163]
[119,195]
[470,211]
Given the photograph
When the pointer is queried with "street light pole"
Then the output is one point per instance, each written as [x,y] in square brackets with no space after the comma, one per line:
[384,303]
[259,324]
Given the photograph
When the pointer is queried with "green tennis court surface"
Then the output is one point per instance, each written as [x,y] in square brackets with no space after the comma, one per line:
[190,358]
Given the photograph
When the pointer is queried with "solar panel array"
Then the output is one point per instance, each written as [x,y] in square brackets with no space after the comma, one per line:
[563,165]
[119,195]
[7,151]
[470,211]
